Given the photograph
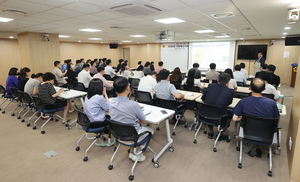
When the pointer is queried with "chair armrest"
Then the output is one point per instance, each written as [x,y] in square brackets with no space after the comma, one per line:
[148,141]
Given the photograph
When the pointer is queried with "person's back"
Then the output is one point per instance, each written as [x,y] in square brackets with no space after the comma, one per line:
[197,71]
[160,67]
[275,79]
[148,83]
[238,75]
[212,74]
[21,83]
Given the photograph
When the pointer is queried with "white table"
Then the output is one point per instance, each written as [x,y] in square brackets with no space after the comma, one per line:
[188,95]
[155,117]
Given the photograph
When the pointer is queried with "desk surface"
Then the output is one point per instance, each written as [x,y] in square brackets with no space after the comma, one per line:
[69,94]
[190,95]
[155,116]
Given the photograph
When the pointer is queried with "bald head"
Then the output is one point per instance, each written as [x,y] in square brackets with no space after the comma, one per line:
[257,85]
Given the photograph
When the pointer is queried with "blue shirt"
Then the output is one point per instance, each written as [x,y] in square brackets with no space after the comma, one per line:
[257,106]
[11,81]
[64,67]
[78,68]
[95,108]
[165,90]
[126,111]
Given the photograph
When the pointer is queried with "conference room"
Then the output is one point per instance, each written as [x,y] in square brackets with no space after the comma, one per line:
[37,33]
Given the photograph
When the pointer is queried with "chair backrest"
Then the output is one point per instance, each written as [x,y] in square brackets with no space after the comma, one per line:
[168,104]
[176,85]
[209,112]
[192,89]
[259,129]
[71,83]
[134,82]
[107,77]
[122,131]
[26,98]
[240,84]
[270,96]
[37,102]
[15,93]
[2,90]
[242,95]
[80,87]
[143,97]
[82,119]
[214,81]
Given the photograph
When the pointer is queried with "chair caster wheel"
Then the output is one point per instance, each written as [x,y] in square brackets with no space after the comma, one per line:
[19,117]
[237,148]
[131,177]
[205,132]
[110,167]
[240,166]
[69,127]
[215,150]
[22,120]
[34,128]
[85,159]
[173,133]
[171,149]
[43,132]
[13,115]
[156,164]
[51,119]
[195,141]
[28,125]
[227,140]
[77,148]
[270,173]
[3,112]
[185,126]
[157,129]
[56,120]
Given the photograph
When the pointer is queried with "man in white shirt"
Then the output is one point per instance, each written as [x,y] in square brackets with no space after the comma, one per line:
[269,89]
[109,70]
[84,76]
[147,83]
[59,75]
[238,75]
[139,64]
[243,69]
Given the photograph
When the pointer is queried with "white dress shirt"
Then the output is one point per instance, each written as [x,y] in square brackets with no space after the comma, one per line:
[270,89]
[239,76]
[147,84]
[85,78]
[109,71]
[245,71]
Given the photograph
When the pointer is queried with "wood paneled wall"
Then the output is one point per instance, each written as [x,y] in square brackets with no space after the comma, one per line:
[274,56]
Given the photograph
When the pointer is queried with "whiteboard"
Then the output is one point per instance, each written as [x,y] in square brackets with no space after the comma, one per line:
[175,55]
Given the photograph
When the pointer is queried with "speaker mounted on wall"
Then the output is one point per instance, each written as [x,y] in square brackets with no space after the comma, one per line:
[113,45]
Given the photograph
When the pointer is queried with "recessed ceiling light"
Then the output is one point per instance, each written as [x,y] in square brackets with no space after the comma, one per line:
[126,41]
[101,42]
[284,33]
[137,35]
[242,38]
[223,15]
[120,43]
[89,30]
[11,37]
[79,40]
[169,20]
[204,31]
[95,38]
[5,19]
[283,37]
[63,36]
[287,28]
[222,36]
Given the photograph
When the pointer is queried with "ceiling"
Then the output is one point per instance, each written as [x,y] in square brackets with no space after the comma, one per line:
[252,19]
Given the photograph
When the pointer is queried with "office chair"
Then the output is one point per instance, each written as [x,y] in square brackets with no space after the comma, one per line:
[71,84]
[127,135]
[39,104]
[240,84]
[270,96]
[80,87]
[86,126]
[242,95]
[134,84]
[6,98]
[143,97]
[107,77]
[207,113]
[173,105]
[27,103]
[17,97]
[191,89]
[259,131]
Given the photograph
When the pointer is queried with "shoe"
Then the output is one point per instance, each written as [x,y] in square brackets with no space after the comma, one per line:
[130,155]
[111,143]
[70,111]
[141,159]
[222,137]
[210,135]
[256,153]
[101,144]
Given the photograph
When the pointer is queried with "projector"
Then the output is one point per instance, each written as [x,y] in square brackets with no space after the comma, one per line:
[293,16]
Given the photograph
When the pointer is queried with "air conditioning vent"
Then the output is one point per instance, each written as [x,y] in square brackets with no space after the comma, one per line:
[121,6]
[14,11]
[152,7]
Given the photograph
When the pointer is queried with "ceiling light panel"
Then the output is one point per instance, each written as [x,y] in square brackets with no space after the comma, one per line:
[95,38]
[169,20]
[137,35]
[204,31]
[2,19]
[89,30]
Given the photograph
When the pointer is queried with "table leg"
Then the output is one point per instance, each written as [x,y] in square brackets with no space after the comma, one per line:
[169,139]
[82,101]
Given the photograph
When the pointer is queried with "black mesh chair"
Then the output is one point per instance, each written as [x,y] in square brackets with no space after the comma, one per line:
[86,126]
[71,84]
[6,98]
[242,95]
[39,104]
[173,105]
[27,103]
[127,135]
[143,97]
[206,114]
[107,77]
[240,84]
[259,131]
[191,89]
[134,84]
[17,98]
[80,87]
[270,96]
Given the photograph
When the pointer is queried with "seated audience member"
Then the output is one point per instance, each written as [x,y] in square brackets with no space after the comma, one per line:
[124,72]
[93,69]
[219,95]
[243,69]
[176,78]
[275,80]
[108,70]
[104,64]
[84,76]
[72,75]
[124,110]
[88,62]
[32,85]
[100,74]
[160,67]
[147,69]
[152,66]
[78,66]
[23,78]
[59,75]
[139,64]
[262,68]
[64,67]
[48,95]
[198,72]
[82,61]
[270,89]
[167,91]
[212,74]
[238,75]
[148,83]
[255,105]
[96,103]
[138,73]
[119,65]
[191,81]
[232,82]
[11,81]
